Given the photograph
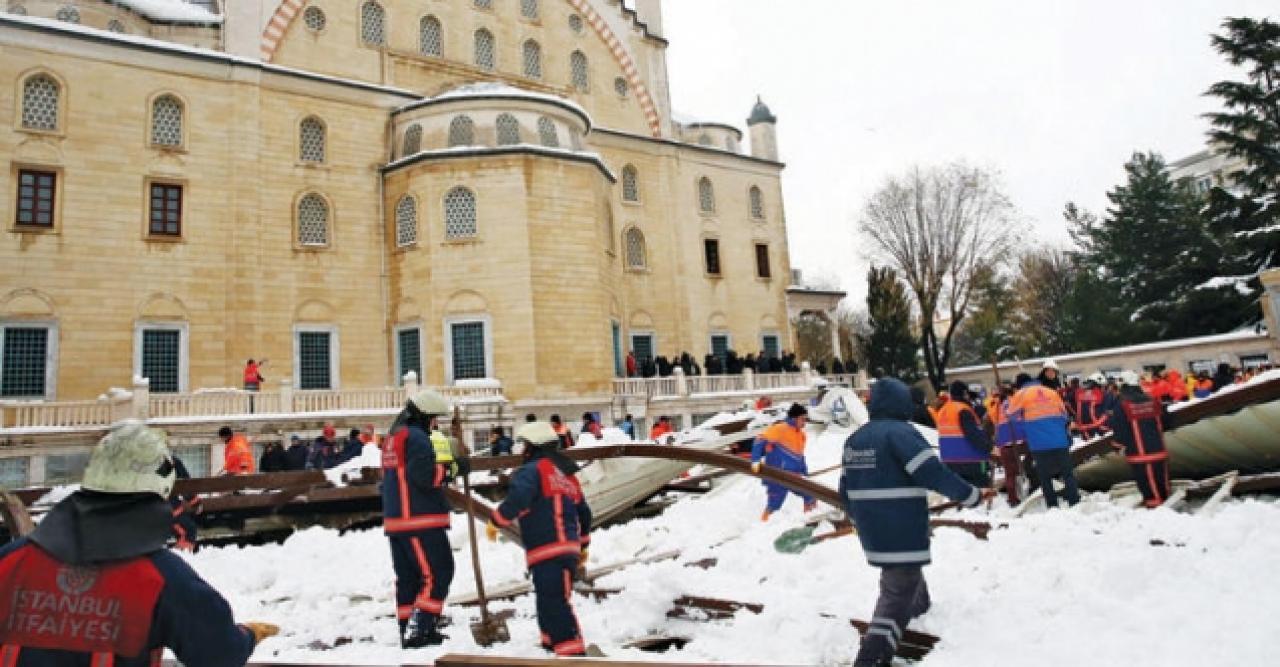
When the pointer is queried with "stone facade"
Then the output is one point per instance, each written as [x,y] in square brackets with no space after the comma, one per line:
[284,236]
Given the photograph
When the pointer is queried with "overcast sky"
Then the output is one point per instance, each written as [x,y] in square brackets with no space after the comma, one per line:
[1055,95]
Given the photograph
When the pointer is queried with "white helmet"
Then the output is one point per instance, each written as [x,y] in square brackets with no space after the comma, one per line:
[1098,379]
[1130,378]
[536,434]
[1050,363]
[431,403]
[132,458]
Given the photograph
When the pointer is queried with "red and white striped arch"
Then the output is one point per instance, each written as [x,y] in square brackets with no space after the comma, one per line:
[288,10]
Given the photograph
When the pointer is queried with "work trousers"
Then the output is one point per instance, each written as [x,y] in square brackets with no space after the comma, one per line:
[424,569]
[904,595]
[1056,463]
[1009,461]
[1153,481]
[973,473]
[553,591]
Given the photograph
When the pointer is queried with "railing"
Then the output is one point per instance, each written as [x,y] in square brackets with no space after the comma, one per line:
[714,384]
[350,399]
[779,380]
[680,385]
[63,414]
[208,403]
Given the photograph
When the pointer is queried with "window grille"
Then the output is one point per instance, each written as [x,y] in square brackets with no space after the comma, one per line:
[636,258]
[508,130]
[162,359]
[578,69]
[313,221]
[14,472]
[630,184]
[37,192]
[462,132]
[762,261]
[314,364]
[23,370]
[771,345]
[706,196]
[406,221]
[314,19]
[69,14]
[431,37]
[705,140]
[757,203]
[720,346]
[410,342]
[484,4]
[575,23]
[373,24]
[459,213]
[547,133]
[532,60]
[115,26]
[484,49]
[413,139]
[65,468]
[620,86]
[166,121]
[311,140]
[642,347]
[166,209]
[529,9]
[468,350]
[40,103]
[711,252]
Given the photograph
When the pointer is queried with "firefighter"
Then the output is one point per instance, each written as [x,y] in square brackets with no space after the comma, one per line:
[965,448]
[94,584]
[782,446]
[555,524]
[417,463]
[1090,416]
[1137,423]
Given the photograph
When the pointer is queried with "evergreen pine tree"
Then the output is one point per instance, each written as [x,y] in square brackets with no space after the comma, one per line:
[1246,213]
[889,347]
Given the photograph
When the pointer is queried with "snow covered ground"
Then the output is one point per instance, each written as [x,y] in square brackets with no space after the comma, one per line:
[1069,587]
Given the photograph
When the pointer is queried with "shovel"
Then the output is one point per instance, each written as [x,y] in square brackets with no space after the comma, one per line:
[491,629]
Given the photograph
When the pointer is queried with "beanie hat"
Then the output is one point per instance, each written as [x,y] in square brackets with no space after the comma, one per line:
[1021,381]
[797,410]
[132,458]
[958,389]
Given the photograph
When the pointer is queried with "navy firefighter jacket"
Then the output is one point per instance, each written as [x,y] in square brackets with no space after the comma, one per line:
[555,519]
[84,591]
[412,483]
[889,469]
[1137,422]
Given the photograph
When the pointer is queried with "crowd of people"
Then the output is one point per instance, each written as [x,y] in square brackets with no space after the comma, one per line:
[324,452]
[731,363]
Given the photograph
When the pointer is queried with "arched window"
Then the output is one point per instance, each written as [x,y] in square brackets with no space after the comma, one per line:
[706,195]
[459,213]
[547,133]
[483,4]
[636,258]
[166,121]
[529,9]
[485,49]
[757,203]
[575,23]
[508,130]
[311,140]
[532,60]
[115,26]
[412,139]
[620,87]
[630,184]
[430,37]
[578,70]
[40,103]
[373,24]
[462,131]
[406,221]
[704,140]
[314,19]
[68,13]
[313,221]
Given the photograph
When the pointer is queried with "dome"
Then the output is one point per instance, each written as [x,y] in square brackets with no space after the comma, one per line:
[760,114]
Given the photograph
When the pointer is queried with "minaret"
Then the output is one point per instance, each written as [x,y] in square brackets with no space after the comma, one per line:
[764,132]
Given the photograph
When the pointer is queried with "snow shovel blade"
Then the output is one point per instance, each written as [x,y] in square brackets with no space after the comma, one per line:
[490,631]
[795,540]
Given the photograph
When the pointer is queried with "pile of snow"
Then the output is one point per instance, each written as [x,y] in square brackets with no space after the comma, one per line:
[370,457]
[1096,584]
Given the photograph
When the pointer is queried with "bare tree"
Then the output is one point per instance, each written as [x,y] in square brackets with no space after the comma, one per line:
[936,227]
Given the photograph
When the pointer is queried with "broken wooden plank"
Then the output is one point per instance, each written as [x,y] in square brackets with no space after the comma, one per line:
[658,643]
[913,645]
[1222,493]
[30,496]
[16,519]
[227,483]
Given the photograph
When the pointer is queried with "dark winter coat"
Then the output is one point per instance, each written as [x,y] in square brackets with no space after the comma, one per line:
[296,455]
[888,471]
[775,365]
[351,450]
[412,483]
[323,454]
[919,411]
[107,550]
[501,446]
[1225,377]
[273,459]
[1137,422]
[554,517]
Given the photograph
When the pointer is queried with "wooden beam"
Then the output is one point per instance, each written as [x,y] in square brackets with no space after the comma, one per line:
[16,519]
[228,483]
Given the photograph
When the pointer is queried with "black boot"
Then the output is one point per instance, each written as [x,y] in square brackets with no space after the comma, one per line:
[421,631]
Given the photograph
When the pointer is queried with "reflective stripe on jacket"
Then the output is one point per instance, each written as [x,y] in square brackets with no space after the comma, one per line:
[1041,417]
[412,479]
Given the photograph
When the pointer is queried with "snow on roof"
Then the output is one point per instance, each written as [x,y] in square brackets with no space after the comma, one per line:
[489,90]
[1241,335]
[171,10]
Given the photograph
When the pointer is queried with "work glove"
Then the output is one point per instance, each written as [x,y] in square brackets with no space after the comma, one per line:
[755,467]
[582,565]
[261,631]
[491,531]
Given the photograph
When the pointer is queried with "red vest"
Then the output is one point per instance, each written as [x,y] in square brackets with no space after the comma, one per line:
[100,609]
